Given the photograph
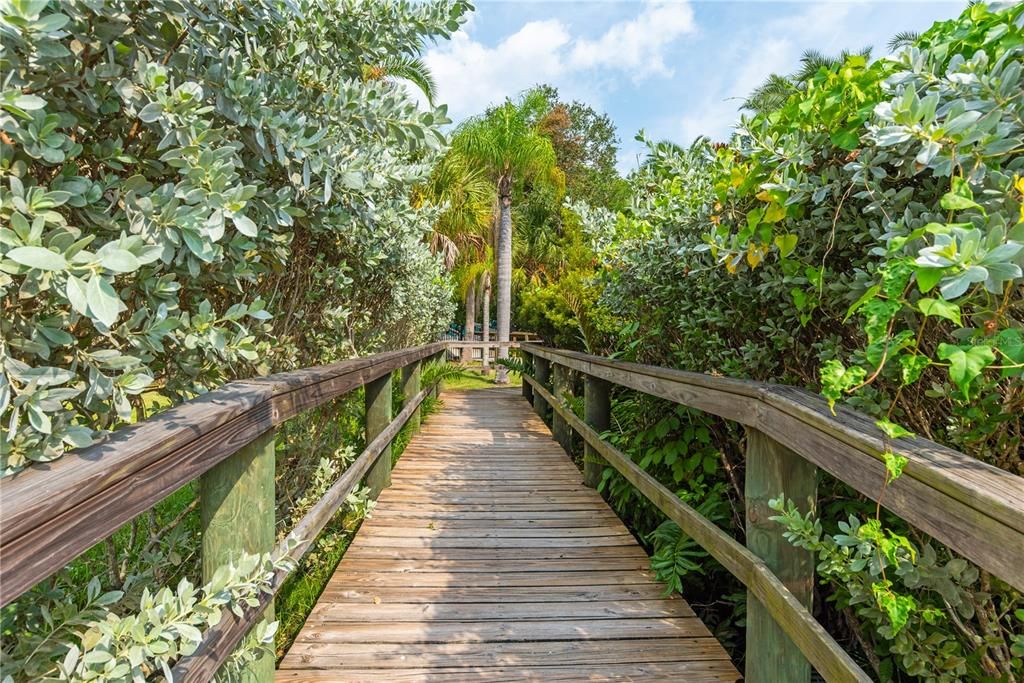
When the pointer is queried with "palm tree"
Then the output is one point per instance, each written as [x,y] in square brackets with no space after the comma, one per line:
[507,146]
[485,307]
[775,91]
[470,276]
[466,198]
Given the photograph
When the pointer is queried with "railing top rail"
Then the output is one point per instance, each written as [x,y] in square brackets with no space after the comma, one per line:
[969,505]
[54,511]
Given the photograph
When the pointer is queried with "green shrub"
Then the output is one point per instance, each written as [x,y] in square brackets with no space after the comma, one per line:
[194,192]
[185,183]
[863,235]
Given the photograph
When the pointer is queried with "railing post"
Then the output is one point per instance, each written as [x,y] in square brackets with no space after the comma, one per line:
[236,509]
[411,387]
[543,367]
[440,357]
[378,417]
[527,359]
[559,427]
[597,412]
[773,470]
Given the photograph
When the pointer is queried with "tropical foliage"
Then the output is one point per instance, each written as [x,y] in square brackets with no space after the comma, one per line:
[861,233]
[184,183]
[194,192]
[507,146]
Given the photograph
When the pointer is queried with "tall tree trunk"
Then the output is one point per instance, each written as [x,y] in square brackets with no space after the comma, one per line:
[470,335]
[486,319]
[504,275]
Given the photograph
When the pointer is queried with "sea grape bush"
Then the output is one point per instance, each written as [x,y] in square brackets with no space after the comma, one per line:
[194,191]
[864,237]
[184,182]
[104,645]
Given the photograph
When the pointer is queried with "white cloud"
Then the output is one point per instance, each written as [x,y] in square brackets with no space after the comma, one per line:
[637,45]
[774,48]
[471,75]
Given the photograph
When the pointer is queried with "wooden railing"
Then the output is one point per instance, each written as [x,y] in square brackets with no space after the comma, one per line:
[51,513]
[974,508]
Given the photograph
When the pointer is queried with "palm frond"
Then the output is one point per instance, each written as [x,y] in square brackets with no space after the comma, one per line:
[903,39]
[811,63]
[770,95]
[412,69]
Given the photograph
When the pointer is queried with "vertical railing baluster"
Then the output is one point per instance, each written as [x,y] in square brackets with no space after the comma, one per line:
[597,412]
[543,367]
[772,470]
[560,385]
[236,509]
[527,358]
[410,388]
[378,417]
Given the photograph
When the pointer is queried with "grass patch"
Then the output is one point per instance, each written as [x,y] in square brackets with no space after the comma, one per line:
[470,378]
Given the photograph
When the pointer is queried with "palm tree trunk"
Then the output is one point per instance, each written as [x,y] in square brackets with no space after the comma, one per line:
[504,275]
[486,319]
[470,335]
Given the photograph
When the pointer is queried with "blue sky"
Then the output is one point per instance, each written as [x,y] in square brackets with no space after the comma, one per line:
[677,69]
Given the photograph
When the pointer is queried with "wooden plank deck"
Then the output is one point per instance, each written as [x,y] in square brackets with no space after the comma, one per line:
[488,560]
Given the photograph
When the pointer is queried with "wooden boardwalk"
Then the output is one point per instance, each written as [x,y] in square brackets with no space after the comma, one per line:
[488,560]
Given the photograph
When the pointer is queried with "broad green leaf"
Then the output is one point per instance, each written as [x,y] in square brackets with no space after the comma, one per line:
[940,308]
[893,430]
[836,379]
[76,293]
[38,257]
[966,363]
[894,465]
[927,278]
[911,367]
[245,225]
[786,244]
[118,260]
[954,202]
[104,304]
[867,296]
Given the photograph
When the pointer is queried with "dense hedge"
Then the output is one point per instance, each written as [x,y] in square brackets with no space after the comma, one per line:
[201,190]
[862,234]
[195,191]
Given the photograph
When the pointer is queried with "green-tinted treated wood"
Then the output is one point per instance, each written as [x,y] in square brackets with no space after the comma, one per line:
[773,470]
[597,412]
[527,362]
[827,656]
[561,385]
[441,357]
[541,371]
[237,513]
[411,387]
[378,415]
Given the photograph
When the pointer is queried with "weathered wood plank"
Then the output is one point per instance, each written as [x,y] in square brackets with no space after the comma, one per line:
[484,611]
[500,631]
[488,552]
[773,471]
[475,655]
[53,512]
[973,507]
[237,515]
[824,653]
[691,672]
[378,416]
